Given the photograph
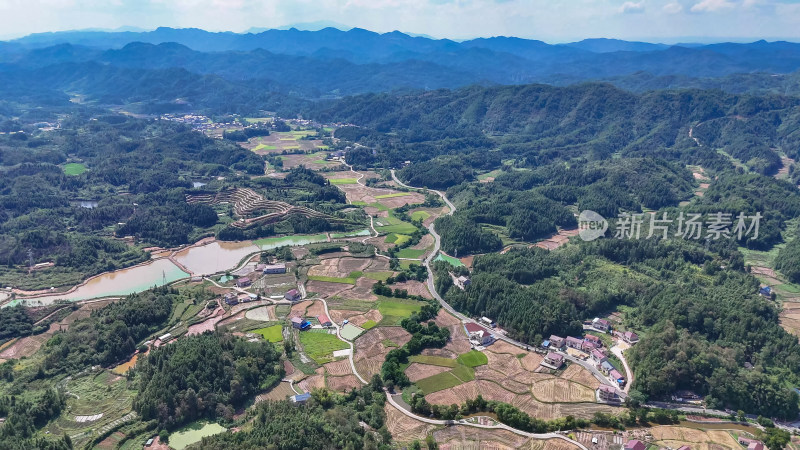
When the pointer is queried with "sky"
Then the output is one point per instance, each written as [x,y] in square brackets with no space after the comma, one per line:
[667,21]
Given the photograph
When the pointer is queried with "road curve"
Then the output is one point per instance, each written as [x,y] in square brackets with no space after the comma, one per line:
[500,426]
[465,319]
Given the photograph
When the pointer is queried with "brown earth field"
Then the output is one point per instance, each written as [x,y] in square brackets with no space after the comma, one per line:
[338,368]
[279,392]
[359,193]
[675,437]
[559,390]
[417,371]
[370,348]
[467,437]
[343,384]
[339,267]
[414,287]
[327,289]
[404,428]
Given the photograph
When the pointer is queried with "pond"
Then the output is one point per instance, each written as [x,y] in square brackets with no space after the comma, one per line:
[120,282]
[193,433]
[221,256]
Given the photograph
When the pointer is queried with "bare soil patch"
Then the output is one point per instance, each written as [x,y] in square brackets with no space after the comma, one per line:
[327,289]
[414,287]
[404,428]
[299,308]
[279,392]
[560,390]
[371,348]
[338,368]
[343,384]
[580,375]
[417,371]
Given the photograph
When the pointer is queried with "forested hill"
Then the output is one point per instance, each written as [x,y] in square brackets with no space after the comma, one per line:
[332,63]
[540,124]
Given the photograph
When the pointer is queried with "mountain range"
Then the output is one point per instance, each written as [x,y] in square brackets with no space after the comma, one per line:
[332,63]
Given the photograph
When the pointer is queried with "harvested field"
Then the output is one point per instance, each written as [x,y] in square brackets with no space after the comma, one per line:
[404,428]
[338,368]
[343,384]
[558,390]
[27,346]
[312,382]
[580,375]
[313,161]
[503,362]
[414,288]
[370,348]
[445,319]
[466,437]
[372,315]
[261,313]
[326,289]
[531,361]
[339,267]
[339,315]
[299,308]
[208,324]
[361,291]
[417,371]
[316,309]
[470,390]
[279,392]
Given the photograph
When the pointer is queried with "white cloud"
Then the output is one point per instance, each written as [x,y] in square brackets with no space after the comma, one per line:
[712,5]
[632,7]
[673,8]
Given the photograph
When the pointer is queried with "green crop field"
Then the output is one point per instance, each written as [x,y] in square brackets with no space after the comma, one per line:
[438,382]
[265,147]
[369,324]
[320,346]
[420,215]
[410,253]
[400,228]
[338,181]
[272,334]
[74,169]
[453,261]
[380,276]
[350,331]
[473,358]
[464,373]
[434,360]
[393,310]
[396,194]
[347,280]
[398,239]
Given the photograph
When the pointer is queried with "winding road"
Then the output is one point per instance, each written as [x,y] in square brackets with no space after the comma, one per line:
[432,288]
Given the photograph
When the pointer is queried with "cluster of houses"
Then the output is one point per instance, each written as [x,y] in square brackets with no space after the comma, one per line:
[303,324]
[233,298]
[590,344]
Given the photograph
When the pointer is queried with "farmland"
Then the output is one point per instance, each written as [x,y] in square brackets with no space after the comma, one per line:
[271,334]
[73,169]
[395,310]
[320,346]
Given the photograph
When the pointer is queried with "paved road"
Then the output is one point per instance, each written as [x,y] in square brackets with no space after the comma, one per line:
[432,288]
[628,372]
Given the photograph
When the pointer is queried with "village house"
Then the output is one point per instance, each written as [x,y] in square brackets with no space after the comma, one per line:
[615,375]
[274,268]
[324,320]
[293,295]
[606,393]
[635,444]
[478,335]
[556,342]
[588,346]
[593,339]
[300,323]
[606,367]
[574,342]
[462,282]
[751,444]
[598,357]
[231,298]
[601,324]
[765,291]
[553,361]
[630,337]
[243,282]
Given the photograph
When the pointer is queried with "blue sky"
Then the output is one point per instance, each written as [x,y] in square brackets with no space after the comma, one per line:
[549,20]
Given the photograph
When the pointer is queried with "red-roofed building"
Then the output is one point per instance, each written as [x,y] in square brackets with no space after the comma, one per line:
[615,375]
[598,356]
[635,444]
[478,335]
[324,320]
[553,360]
[574,342]
[601,324]
[593,339]
[589,346]
[630,337]
[606,393]
[556,342]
